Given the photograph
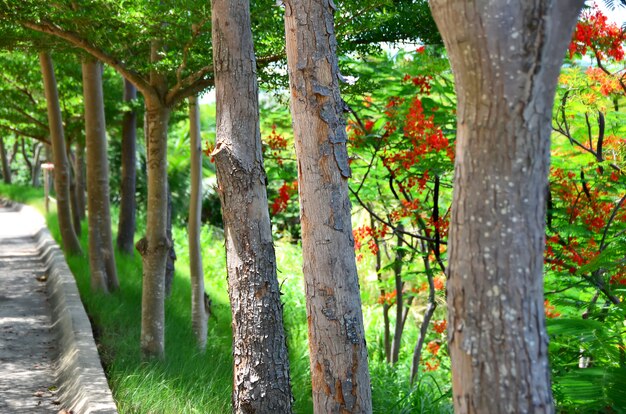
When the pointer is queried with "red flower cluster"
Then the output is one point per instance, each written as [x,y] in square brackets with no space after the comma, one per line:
[370,235]
[420,81]
[284,194]
[440,326]
[431,365]
[276,141]
[388,298]
[607,84]
[433,347]
[550,310]
[594,32]
[276,144]
[424,138]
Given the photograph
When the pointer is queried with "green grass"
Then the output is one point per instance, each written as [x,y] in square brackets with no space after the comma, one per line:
[24,194]
[192,382]
[187,381]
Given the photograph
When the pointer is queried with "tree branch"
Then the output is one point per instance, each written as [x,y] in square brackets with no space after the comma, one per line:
[76,40]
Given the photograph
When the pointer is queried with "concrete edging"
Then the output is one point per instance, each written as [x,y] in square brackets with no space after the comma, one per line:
[83,387]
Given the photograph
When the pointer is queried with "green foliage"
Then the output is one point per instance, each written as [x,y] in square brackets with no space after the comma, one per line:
[586,246]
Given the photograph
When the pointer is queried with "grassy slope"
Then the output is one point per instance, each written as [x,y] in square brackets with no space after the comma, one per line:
[192,382]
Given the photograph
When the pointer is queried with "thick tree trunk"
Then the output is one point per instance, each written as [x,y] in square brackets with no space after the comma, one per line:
[340,375]
[155,246]
[126,224]
[506,58]
[261,364]
[6,169]
[101,257]
[61,168]
[199,314]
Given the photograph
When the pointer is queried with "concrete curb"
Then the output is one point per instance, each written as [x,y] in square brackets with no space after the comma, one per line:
[83,387]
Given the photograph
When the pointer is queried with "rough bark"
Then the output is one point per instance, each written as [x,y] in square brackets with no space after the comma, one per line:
[199,314]
[506,58]
[6,168]
[340,376]
[127,223]
[261,364]
[61,168]
[101,257]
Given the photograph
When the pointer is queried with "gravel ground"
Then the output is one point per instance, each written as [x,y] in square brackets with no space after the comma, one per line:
[27,342]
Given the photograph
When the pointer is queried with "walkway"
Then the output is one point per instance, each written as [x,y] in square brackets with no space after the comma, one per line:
[27,342]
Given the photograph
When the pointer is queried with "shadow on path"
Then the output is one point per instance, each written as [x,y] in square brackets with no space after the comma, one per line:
[27,342]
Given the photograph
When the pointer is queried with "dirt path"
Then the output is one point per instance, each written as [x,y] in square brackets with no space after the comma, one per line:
[27,342]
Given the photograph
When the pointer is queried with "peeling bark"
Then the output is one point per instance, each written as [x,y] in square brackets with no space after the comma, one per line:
[261,363]
[506,58]
[101,256]
[127,223]
[61,168]
[340,376]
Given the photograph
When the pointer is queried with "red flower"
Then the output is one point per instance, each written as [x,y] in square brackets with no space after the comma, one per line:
[433,347]
[440,326]
[550,310]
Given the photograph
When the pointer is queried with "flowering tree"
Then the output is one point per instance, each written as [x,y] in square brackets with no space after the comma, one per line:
[585,268]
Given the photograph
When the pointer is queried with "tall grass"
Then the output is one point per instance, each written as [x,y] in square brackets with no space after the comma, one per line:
[188,381]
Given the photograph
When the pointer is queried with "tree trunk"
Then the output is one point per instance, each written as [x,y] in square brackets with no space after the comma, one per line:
[340,375]
[386,307]
[73,194]
[126,224]
[399,325]
[61,171]
[27,161]
[506,58]
[101,256]
[170,267]
[199,315]
[261,363]
[79,173]
[154,247]
[6,169]
[36,171]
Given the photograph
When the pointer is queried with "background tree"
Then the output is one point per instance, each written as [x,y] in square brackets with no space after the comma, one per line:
[101,255]
[128,207]
[61,176]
